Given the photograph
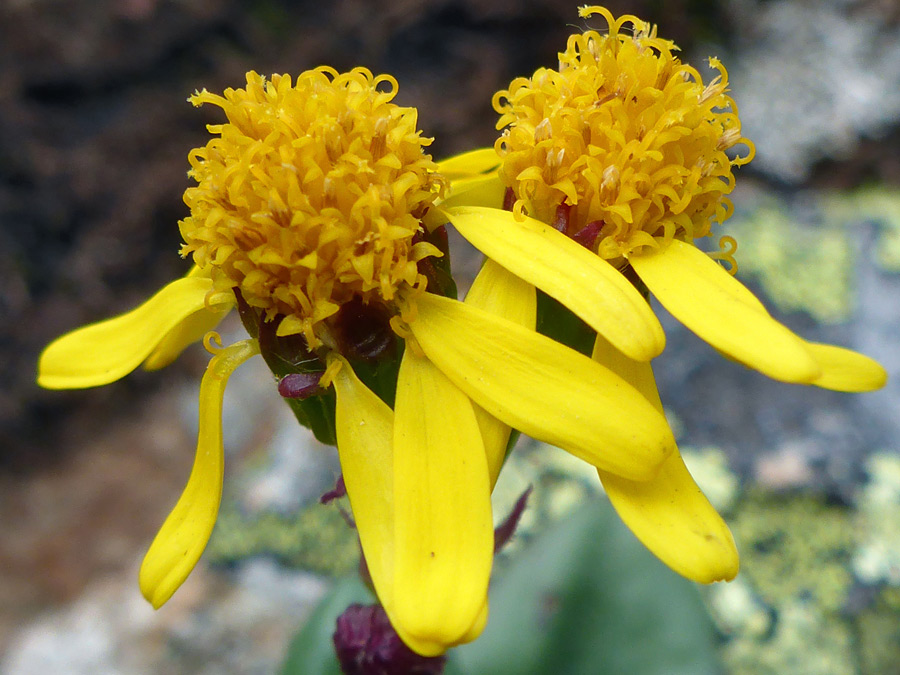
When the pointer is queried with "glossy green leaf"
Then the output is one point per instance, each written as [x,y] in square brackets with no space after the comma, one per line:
[586,598]
[312,652]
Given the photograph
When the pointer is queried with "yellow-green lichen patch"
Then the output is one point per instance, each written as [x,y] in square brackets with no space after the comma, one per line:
[738,612]
[804,254]
[795,546]
[878,635]
[317,539]
[805,640]
[797,607]
[800,266]
[879,205]
[877,558]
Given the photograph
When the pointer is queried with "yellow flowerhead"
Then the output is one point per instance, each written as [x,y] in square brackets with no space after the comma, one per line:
[607,170]
[626,135]
[310,195]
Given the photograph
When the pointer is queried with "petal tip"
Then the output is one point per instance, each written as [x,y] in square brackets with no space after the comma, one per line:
[846,370]
[153,588]
[723,562]
[653,347]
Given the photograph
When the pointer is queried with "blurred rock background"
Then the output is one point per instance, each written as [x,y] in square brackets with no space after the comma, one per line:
[94,133]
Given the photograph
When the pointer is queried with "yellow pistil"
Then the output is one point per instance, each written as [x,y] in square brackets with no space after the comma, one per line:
[310,195]
[626,135]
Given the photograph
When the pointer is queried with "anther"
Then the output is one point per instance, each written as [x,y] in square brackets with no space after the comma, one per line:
[729,138]
[543,131]
[610,177]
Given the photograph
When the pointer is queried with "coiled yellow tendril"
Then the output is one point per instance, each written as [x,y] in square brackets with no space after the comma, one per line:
[728,247]
[212,342]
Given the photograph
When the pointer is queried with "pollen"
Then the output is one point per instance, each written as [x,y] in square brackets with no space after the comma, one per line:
[624,134]
[310,195]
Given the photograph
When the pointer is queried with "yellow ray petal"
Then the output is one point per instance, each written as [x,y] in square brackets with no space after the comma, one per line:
[190,330]
[104,352]
[715,306]
[365,431]
[484,191]
[842,369]
[468,164]
[846,370]
[549,391]
[565,270]
[182,538]
[669,514]
[444,531]
[502,293]
[477,627]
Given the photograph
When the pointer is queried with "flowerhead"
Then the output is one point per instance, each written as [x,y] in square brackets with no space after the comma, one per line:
[311,196]
[609,169]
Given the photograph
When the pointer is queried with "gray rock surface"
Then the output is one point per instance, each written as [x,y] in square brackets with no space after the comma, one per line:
[812,78]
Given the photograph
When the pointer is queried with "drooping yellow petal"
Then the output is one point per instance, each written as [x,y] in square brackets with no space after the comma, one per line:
[500,292]
[846,370]
[714,305]
[190,330]
[444,530]
[468,164]
[104,352]
[547,390]
[365,431]
[477,627]
[182,538]
[669,514]
[582,281]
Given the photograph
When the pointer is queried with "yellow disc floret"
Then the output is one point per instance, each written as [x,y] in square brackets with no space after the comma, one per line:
[310,195]
[625,137]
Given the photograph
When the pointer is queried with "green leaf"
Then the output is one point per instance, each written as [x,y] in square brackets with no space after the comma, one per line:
[556,321]
[380,375]
[586,597]
[312,652]
[317,414]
